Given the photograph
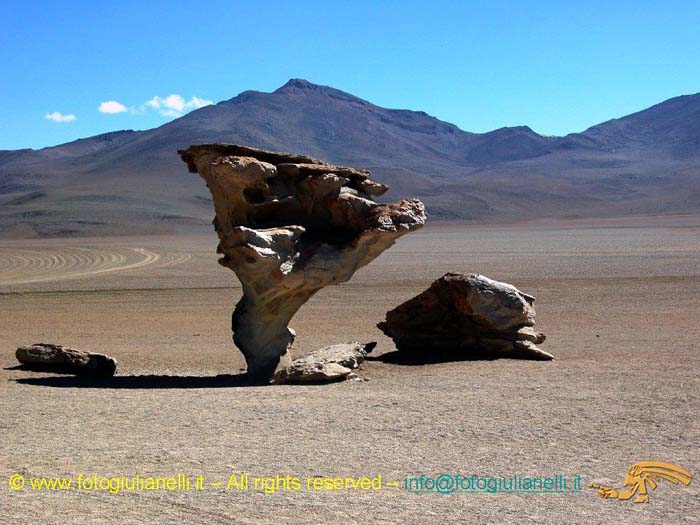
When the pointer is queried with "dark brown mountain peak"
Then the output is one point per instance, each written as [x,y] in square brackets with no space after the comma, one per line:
[299,83]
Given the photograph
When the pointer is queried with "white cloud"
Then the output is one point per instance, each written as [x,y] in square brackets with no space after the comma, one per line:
[57,116]
[112,106]
[175,105]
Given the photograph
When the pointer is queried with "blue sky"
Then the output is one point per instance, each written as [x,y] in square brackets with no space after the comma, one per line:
[558,67]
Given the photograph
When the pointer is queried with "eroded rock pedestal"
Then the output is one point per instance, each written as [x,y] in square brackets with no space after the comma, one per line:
[466,314]
[289,225]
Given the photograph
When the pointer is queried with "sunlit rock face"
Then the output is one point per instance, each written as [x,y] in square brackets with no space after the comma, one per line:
[289,225]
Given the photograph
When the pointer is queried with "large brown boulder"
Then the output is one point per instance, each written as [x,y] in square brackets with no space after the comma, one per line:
[463,313]
[47,357]
[289,225]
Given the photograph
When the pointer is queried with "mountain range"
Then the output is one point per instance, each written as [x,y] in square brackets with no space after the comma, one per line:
[134,181]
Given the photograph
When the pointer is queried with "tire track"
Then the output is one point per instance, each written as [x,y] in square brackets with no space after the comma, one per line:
[176,258]
[25,266]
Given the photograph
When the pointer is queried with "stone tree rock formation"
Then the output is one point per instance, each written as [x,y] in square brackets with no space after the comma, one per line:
[462,313]
[288,226]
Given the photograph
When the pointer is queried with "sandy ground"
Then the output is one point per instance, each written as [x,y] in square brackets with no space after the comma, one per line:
[619,301]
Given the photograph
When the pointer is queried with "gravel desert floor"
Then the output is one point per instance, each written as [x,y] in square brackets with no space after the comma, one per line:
[619,301]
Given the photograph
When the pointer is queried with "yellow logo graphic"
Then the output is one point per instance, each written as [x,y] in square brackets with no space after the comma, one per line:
[642,478]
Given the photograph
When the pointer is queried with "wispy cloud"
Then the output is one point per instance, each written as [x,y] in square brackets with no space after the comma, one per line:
[174,105]
[111,107]
[57,116]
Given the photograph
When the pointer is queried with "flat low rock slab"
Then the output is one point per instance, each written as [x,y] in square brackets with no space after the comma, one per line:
[47,357]
[326,365]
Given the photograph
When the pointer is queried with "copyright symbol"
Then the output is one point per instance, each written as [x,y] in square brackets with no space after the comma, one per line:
[445,484]
[17,482]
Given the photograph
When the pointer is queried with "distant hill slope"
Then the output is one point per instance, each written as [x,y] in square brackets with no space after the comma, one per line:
[134,181]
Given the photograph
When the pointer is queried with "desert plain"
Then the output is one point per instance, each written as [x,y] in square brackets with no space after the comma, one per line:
[618,299]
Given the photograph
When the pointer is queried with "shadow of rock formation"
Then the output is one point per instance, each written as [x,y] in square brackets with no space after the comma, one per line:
[143,381]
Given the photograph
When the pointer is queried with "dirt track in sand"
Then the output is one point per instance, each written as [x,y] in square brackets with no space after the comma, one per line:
[618,301]
[24,266]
